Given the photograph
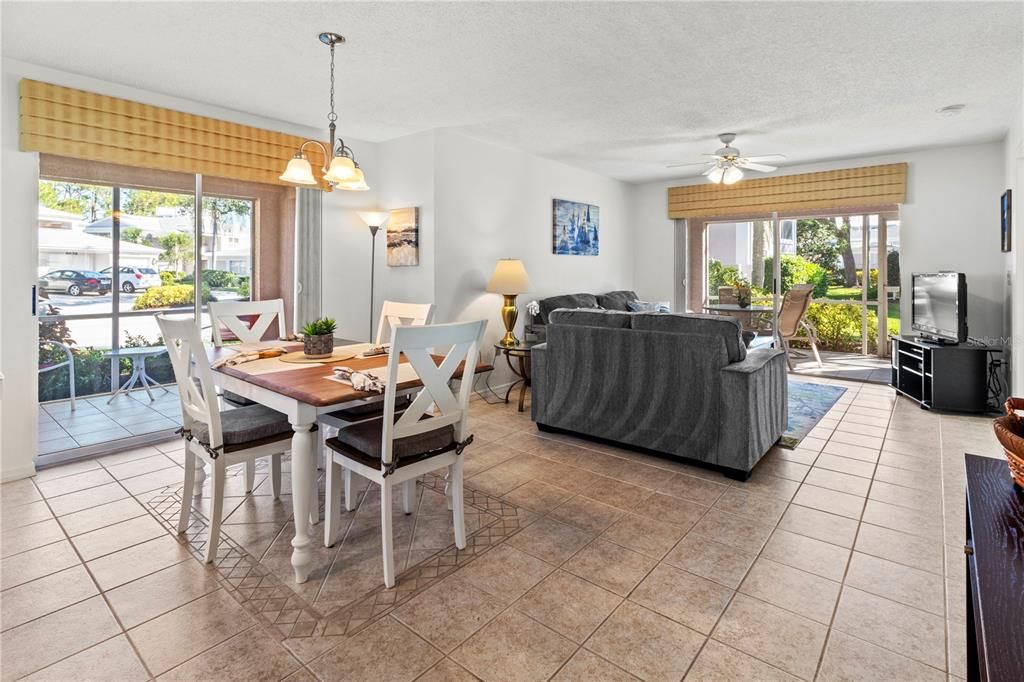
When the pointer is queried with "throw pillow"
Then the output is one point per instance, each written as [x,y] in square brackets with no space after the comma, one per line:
[649,307]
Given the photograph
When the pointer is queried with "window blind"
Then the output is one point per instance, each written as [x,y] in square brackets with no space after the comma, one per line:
[846,188]
[85,125]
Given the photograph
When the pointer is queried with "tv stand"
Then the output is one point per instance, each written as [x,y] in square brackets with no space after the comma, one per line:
[941,377]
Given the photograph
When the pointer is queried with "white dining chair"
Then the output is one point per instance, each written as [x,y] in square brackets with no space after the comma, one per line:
[396,314]
[430,434]
[228,316]
[217,438]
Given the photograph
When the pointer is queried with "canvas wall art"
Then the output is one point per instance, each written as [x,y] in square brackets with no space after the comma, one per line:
[404,237]
[576,228]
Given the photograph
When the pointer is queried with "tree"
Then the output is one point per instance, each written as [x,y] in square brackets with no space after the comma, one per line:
[849,265]
[757,243]
[217,207]
[824,242]
[89,201]
[178,249]
[131,234]
[146,202]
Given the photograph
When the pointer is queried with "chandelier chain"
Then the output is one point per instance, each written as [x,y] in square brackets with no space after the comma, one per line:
[332,117]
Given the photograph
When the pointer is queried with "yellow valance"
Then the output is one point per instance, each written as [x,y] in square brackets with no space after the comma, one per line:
[846,188]
[85,125]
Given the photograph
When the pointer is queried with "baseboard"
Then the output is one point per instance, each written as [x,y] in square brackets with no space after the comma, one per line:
[17,473]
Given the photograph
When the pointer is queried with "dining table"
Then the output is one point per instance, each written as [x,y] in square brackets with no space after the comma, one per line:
[302,392]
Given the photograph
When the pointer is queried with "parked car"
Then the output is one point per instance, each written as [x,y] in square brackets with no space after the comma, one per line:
[75,282]
[133,278]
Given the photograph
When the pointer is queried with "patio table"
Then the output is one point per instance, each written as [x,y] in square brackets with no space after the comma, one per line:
[302,392]
[137,356]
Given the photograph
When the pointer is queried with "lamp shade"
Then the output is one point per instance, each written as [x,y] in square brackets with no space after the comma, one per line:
[374,218]
[299,172]
[715,175]
[732,175]
[509,277]
[341,169]
[356,183]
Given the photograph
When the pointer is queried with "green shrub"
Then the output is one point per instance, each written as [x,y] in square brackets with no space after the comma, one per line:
[171,296]
[720,275]
[892,262]
[168,277]
[243,288]
[215,279]
[797,270]
[838,327]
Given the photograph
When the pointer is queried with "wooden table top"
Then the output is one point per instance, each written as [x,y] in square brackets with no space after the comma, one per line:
[306,383]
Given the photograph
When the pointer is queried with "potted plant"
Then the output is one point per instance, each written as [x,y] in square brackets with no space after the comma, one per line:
[318,338]
[741,285]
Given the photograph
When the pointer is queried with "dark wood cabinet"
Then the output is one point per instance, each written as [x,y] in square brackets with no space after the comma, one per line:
[995,572]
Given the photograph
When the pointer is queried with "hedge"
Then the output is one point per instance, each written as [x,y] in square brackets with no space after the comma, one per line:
[171,296]
[796,270]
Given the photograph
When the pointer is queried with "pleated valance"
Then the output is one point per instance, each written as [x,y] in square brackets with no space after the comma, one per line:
[846,188]
[85,125]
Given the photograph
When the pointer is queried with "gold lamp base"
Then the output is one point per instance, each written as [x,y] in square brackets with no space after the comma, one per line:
[509,315]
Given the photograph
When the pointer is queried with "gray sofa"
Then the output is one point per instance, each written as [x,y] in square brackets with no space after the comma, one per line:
[676,384]
[536,326]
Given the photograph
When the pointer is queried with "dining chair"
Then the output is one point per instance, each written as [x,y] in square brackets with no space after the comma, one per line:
[233,316]
[430,434]
[393,314]
[217,438]
[793,318]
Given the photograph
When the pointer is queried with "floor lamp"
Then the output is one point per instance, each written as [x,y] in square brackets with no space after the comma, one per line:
[374,220]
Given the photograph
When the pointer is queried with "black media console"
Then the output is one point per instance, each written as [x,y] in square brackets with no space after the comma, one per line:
[941,377]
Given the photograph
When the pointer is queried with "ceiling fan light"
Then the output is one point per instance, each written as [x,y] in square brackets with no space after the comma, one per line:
[732,175]
[341,170]
[299,172]
[716,174]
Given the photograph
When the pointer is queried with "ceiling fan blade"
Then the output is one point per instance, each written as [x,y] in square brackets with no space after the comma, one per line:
[684,165]
[760,167]
[709,171]
[766,157]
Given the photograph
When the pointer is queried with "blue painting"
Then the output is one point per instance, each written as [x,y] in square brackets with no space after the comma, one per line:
[575,228]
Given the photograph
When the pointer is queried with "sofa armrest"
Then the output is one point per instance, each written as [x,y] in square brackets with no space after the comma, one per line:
[755,407]
[538,369]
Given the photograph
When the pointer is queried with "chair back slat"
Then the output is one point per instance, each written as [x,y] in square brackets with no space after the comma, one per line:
[192,373]
[794,306]
[230,314]
[396,314]
[463,339]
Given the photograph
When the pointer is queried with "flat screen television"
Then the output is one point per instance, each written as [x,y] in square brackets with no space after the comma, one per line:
[939,309]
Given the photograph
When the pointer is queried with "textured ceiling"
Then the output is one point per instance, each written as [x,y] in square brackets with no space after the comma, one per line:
[620,88]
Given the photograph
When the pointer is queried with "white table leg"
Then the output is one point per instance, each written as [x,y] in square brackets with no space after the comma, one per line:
[303,475]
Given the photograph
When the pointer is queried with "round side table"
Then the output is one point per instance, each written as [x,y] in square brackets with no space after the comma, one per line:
[521,368]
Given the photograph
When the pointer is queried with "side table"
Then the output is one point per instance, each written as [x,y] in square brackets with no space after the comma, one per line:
[137,356]
[521,369]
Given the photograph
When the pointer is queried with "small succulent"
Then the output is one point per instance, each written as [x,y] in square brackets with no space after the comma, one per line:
[321,327]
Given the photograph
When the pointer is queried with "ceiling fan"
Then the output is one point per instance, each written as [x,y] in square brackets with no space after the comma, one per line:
[725,164]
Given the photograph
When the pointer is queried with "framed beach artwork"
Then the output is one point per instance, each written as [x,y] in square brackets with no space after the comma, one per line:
[404,237]
[575,228]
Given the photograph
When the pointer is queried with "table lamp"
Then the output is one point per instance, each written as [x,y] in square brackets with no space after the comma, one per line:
[509,279]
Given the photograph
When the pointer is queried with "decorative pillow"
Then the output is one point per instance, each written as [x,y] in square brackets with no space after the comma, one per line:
[649,306]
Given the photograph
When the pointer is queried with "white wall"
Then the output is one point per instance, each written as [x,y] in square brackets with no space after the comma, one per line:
[493,202]
[950,221]
[18,244]
[1013,169]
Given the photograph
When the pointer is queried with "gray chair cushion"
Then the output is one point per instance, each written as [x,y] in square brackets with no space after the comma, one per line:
[369,410]
[237,400]
[247,426]
[691,323]
[365,437]
[616,300]
[565,301]
[613,319]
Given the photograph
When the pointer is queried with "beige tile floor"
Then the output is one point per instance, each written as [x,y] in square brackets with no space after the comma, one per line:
[841,559]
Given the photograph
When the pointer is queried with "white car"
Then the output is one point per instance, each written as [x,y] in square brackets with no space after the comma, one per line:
[133,278]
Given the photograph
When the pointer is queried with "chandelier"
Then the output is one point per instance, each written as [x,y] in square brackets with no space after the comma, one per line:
[340,169]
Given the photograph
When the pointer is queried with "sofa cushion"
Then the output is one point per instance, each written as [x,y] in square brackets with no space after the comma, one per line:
[616,300]
[691,323]
[613,319]
[565,301]
[649,306]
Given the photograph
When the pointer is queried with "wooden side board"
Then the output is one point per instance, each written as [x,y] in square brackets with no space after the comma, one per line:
[307,384]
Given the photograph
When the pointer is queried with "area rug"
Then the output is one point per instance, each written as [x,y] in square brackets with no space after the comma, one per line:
[808,403]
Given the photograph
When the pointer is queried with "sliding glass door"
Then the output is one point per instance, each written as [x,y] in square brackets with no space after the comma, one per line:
[109,259]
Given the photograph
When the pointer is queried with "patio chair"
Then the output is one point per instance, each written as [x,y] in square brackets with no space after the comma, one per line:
[69,363]
[395,450]
[792,318]
[218,438]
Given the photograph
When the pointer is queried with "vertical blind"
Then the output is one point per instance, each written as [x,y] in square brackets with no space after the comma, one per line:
[846,188]
[84,125]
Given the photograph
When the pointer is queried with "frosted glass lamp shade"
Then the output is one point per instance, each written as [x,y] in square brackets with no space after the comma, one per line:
[341,170]
[732,175]
[299,172]
[374,218]
[509,277]
[357,182]
[715,175]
